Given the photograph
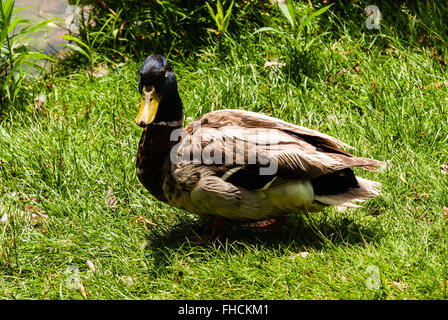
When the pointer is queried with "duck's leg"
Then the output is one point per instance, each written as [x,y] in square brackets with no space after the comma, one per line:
[264,224]
[218,225]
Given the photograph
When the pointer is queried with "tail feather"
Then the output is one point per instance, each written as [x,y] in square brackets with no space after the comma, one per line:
[367,189]
[369,164]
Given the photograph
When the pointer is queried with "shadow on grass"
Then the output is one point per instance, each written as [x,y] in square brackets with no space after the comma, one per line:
[298,233]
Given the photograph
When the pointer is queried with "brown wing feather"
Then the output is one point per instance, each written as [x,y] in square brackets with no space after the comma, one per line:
[300,152]
[248,119]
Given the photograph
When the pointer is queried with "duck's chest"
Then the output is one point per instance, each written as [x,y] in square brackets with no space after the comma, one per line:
[152,178]
[178,184]
[153,159]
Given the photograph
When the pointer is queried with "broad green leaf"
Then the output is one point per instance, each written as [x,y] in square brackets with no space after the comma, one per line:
[38,56]
[286,12]
[6,10]
[36,26]
[212,12]
[291,10]
[21,8]
[79,49]
[315,14]
[229,10]
[314,39]
[78,41]
[100,32]
[227,16]
[220,11]
[15,22]
[18,83]
[267,29]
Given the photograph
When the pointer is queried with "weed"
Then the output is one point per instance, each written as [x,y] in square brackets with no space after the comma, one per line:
[16,58]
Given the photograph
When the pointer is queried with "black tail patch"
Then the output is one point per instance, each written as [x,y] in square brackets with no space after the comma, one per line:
[250,178]
[335,183]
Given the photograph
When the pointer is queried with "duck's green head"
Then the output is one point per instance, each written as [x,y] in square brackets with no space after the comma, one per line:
[160,97]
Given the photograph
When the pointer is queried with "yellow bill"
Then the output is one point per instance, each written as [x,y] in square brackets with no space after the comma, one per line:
[148,107]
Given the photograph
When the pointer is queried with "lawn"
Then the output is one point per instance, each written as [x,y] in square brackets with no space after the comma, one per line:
[71,204]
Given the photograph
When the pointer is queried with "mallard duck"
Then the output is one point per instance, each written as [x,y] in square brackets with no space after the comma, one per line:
[238,164]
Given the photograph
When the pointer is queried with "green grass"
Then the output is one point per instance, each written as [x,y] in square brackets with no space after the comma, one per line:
[73,160]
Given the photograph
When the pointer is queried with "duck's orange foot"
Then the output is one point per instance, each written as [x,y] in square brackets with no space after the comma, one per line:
[263,225]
